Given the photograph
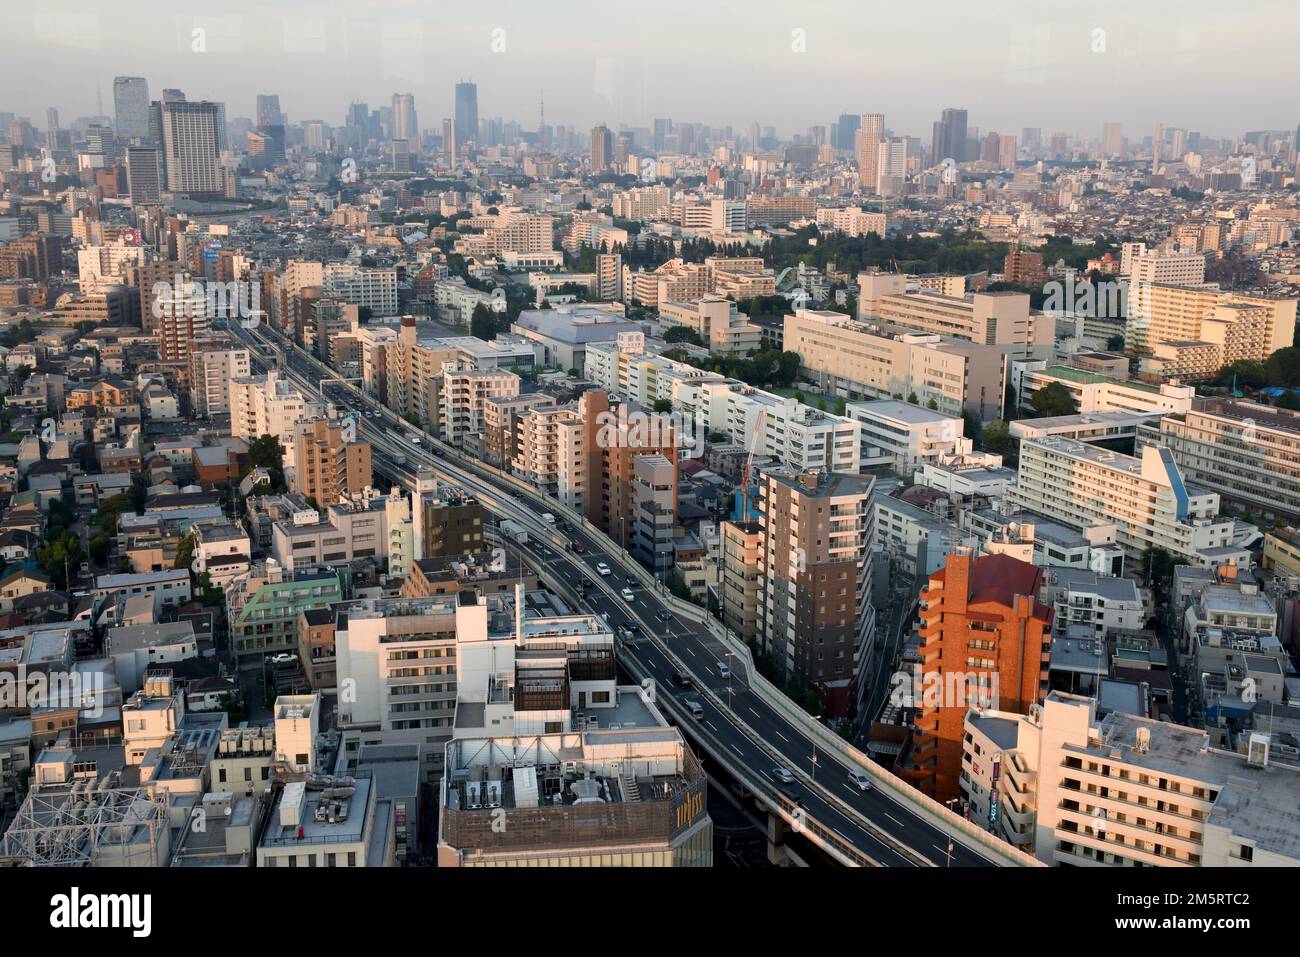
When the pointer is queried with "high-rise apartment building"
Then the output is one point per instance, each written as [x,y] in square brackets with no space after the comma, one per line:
[871,133]
[613,437]
[268,110]
[215,361]
[602,148]
[985,639]
[1081,789]
[1145,498]
[180,315]
[192,139]
[327,464]
[1112,140]
[816,617]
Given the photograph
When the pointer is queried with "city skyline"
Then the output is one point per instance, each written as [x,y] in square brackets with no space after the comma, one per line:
[1034,69]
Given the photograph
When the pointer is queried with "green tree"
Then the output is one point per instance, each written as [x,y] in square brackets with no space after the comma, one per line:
[996,438]
[932,405]
[1283,367]
[1053,399]
[60,557]
[1115,344]
[184,553]
[682,334]
[912,399]
[663,405]
[1157,566]
[482,323]
[100,546]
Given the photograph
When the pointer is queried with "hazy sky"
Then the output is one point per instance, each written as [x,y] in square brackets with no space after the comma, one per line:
[1221,68]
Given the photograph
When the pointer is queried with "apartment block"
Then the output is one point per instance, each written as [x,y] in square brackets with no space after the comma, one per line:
[214,364]
[900,436]
[1081,790]
[817,621]
[986,318]
[328,464]
[717,321]
[850,358]
[1145,498]
[984,637]
[461,395]
[1096,392]
[1246,452]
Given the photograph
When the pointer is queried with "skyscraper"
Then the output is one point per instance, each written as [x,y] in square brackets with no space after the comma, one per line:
[192,146]
[949,141]
[131,106]
[870,133]
[268,110]
[1112,139]
[466,114]
[602,148]
[405,124]
[142,174]
[1157,146]
[51,126]
[845,131]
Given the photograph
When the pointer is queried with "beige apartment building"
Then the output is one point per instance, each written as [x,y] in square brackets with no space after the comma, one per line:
[717,321]
[1242,326]
[1081,790]
[460,395]
[412,365]
[850,358]
[327,467]
[742,565]
[987,318]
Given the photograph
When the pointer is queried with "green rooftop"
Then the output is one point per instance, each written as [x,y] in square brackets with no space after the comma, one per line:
[1083,377]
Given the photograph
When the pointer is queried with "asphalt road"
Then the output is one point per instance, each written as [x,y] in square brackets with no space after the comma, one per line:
[747,719]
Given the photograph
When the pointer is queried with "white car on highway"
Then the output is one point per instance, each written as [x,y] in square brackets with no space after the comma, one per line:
[628,595]
[860,779]
[602,569]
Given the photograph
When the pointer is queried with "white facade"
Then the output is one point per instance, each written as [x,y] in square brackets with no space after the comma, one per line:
[1082,485]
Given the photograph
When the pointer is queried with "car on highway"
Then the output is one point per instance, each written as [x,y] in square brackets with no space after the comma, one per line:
[602,569]
[628,595]
[632,625]
[860,780]
[664,615]
[696,709]
[724,670]
[780,775]
[579,548]
[631,579]
[681,679]
[586,582]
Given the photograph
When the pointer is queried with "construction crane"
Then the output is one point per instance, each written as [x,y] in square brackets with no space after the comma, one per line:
[746,473]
